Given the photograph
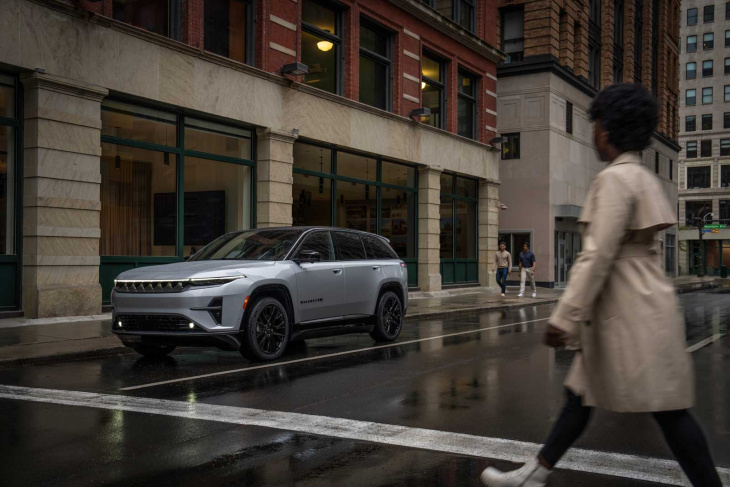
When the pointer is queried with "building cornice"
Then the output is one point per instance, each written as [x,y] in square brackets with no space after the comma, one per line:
[450,28]
[545,63]
[672,144]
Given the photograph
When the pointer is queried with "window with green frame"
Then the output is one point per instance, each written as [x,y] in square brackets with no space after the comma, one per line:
[10,189]
[458,229]
[358,191]
[171,184]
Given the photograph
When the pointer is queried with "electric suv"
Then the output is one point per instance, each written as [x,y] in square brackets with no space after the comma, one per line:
[256,291]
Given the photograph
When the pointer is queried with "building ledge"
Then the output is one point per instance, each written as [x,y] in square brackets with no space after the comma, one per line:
[545,63]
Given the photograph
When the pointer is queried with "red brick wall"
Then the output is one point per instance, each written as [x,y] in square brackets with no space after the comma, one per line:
[420,34]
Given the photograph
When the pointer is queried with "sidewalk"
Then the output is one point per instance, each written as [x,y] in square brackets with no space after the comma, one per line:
[26,341]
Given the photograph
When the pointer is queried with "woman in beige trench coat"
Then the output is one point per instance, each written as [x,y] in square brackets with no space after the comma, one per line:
[619,311]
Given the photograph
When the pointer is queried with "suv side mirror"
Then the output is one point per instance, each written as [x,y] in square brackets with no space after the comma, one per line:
[309,256]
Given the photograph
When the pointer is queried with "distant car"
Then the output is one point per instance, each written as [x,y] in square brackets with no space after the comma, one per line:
[257,290]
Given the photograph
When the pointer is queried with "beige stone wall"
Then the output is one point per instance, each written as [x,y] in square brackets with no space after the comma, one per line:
[61,197]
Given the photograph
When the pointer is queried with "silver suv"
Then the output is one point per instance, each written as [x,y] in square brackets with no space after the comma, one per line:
[257,290]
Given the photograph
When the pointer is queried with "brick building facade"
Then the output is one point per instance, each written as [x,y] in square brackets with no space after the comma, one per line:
[560,53]
[132,132]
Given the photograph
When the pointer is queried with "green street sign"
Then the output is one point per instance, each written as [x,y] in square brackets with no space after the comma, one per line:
[716,226]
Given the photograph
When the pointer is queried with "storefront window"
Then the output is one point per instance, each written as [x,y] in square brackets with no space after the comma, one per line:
[138,201]
[214,138]
[140,124]
[350,198]
[7,190]
[458,236]
[228,28]
[10,267]
[7,97]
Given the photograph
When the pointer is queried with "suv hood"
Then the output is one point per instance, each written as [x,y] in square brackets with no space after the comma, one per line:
[188,270]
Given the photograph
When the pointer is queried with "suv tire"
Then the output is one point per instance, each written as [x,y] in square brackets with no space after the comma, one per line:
[151,350]
[388,318]
[266,331]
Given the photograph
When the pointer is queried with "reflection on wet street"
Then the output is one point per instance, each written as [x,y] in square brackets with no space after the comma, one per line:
[484,375]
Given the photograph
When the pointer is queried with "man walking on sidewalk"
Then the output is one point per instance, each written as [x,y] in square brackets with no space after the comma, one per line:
[503,265]
[527,268]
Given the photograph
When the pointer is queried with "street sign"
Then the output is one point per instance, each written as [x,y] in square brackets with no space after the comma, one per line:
[705,230]
[716,231]
[716,226]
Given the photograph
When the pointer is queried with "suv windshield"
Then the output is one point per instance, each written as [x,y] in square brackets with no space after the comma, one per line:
[251,245]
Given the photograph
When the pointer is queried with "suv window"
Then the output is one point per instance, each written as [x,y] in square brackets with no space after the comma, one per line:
[349,245]
[378,249]
[320,242]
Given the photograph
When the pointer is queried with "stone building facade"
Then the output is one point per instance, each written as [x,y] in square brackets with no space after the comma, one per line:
[134,132]
[704,161]
[560,54]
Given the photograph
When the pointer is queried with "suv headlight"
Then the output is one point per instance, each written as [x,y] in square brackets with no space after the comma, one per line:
[213,281]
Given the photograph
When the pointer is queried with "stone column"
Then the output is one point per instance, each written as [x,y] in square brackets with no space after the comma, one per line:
[429,229]
[62,202]
[488,231]
[274,178]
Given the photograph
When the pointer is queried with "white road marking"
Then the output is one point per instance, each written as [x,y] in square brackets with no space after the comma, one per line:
[597,462]
[329,355]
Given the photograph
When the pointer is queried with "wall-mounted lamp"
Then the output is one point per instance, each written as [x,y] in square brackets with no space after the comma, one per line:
[497,141]
[295,69]
[502,206]
[420,114]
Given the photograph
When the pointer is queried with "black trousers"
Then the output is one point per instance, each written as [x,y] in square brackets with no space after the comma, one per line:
[681,431]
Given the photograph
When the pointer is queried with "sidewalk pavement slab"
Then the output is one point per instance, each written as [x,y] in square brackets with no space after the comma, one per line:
[27,341]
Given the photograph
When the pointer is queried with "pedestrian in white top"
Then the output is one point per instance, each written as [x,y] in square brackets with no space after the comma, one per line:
[527,270]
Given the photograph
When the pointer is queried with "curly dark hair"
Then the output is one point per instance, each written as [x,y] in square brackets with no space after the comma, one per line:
[629,113]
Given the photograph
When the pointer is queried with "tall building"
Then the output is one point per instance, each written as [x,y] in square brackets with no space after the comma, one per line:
[704,164]
[133,132]
[560,54]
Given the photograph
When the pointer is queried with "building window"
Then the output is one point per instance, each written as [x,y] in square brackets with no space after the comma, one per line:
[709,13]
[158,16]
[727,65]
[725,147]
[229,29]
[345,189]
[458,229]
[726,120]
[467,110]
[618,41]
[569,117]
[698,177]
[433,88]
[696,209]
[706,95]
[707,122]
[375,66]
[671,170]
[656,162]
[727,38]
[725,176]
[638,46]
[322,46]
[655,47]
[691,43]
[691,149]
[727,92]
[460,11]
[511,148]
[691,71]
[725,215]
[690,123]
[513,34]
[708,41]
[727,10]
[690,97]
[670,253]
[707,68]
[170,199]
[706,148]
[692,16]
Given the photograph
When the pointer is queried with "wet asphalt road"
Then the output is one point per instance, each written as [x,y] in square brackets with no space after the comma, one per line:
[496,383]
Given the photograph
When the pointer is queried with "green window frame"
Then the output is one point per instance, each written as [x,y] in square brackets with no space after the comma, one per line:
[11,261]
[113,265]
[454,269]
[376,182]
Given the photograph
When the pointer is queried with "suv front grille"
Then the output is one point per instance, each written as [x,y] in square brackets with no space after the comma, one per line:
[150,286]
[153,323]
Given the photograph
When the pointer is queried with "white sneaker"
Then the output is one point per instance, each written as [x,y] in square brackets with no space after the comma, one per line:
[520,295]
[502,294]
[532,474]
[534,294]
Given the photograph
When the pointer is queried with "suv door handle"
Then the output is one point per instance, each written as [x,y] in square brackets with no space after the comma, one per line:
[337,271]
[376,267]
